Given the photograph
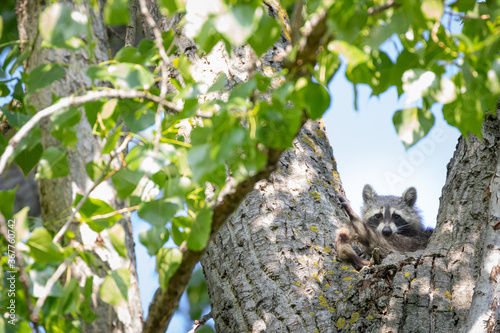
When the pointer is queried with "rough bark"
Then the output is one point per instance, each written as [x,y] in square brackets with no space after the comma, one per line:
[57,195]
[270,270]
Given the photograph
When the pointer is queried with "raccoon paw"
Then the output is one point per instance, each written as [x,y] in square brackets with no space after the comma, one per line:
[376,256]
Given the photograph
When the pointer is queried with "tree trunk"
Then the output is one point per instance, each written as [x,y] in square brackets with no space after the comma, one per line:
[272,267]
[57,195]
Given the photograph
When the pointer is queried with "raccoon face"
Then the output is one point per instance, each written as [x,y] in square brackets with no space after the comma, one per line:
[390,214]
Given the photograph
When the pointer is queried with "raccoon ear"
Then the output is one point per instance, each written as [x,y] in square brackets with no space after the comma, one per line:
[368,193]
[410,196]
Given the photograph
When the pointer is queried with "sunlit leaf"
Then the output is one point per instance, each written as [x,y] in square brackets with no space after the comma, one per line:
[52,164]
[42,76]
[61,27]
[42,248]
[116,12]
[114,289]
[167,262]
[412,124]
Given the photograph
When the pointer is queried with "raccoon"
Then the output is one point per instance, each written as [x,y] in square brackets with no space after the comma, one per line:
[388,224]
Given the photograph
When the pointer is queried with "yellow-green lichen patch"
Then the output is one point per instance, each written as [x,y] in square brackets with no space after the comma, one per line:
[314,228]
[340,322]
[315,276]
[335,174]
[344,268]
[347,278]
[311,314]
[353,270]
[336,291]
[327,285]
[407,274]
[316,330]
[447,294]
[308,141]
[297,283]
[327,249]
[329,272]
[279,170]
[315,195]
[331,309]
[319,132]
[315,263]
[354,318]
[333,260]
[369,317]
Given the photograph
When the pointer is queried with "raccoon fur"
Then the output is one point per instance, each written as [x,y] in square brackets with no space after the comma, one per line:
[388,224]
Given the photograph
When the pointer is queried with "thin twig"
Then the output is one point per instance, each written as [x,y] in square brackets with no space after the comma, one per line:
[163,66]
[101,177]
[379,9]
[53,279]
[75,101]
[116,212]
[23,277]
[198,323]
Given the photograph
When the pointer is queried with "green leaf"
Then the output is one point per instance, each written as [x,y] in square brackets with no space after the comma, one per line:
[84,309]
[123,75]
[167,262]
[154,239]
[27,158]
[466,113]
[412,124]
[93,207]
[63,126]
[125,181]
[268,27]
[353,54]
[328,64]
[116,12]
[7,198]
[465,5]
[70,298]
[61,27]
[157,212]
[117,237]
[42,248]
[313,96]
[42,76]
[169,7]
[53,164]
[180,228]
[114,289]
[200,230]
[130,54]
[236,24]
[95,168]
[137,116]
[208,36]
[112,139]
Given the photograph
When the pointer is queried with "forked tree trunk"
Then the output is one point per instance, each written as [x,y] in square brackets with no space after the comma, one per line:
[272,267]
[57,195]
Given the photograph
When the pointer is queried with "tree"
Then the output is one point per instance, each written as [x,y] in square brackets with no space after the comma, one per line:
[224,103]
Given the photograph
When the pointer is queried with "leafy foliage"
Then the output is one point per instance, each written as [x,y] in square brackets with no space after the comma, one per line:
[445,54]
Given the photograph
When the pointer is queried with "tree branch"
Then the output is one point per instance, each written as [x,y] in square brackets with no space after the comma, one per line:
[198,323]
[101,177]
[379,9]
[163,66]
[164,304]
[75,101]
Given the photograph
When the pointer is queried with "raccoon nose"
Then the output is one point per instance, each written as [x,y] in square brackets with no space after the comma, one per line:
[386,231]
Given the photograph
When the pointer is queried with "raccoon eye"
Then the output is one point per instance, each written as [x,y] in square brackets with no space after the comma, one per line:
[378,216]
[396,216]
